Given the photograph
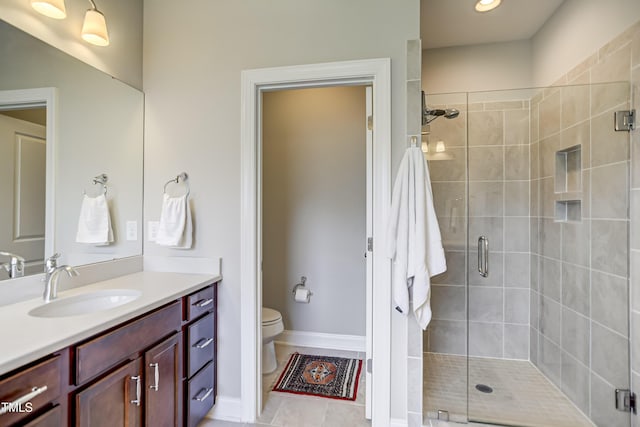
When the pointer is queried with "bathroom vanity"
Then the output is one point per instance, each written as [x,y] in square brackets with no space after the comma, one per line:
[149,362]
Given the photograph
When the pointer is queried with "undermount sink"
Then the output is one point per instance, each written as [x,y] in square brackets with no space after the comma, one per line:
[84,303]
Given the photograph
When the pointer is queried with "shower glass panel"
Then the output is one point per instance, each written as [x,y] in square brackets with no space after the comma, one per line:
[444,142]
[531,320]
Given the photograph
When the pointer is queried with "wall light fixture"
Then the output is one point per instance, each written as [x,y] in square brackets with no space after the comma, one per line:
[94,29]
[52,8]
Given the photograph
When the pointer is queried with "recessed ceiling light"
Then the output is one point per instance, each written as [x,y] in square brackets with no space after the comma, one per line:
[487,5]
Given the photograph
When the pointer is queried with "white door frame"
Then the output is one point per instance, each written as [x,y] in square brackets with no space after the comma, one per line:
[374,72]
[47,97]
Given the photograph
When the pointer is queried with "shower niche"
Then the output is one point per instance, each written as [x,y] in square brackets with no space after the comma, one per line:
[568,184]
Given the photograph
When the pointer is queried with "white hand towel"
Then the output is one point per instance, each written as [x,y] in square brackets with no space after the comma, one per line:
[172,220]
[187,236]
[94,223]
[175,228]
[414,242]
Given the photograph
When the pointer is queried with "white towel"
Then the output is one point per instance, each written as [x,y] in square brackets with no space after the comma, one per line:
[175,228]
[94,224]
[413,237]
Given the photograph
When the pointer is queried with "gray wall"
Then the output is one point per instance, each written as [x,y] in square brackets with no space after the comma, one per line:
[193,57]
[313,206]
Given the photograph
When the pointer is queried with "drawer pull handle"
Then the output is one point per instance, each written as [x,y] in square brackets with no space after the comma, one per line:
[136,401]
[156,376]
[203,303]
[202,343]
[23,399]
[203,394]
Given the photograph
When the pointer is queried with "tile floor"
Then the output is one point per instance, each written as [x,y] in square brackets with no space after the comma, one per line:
[290,410]
[521,396]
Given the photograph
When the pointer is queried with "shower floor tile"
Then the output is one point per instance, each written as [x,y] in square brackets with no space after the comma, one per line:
[521,395]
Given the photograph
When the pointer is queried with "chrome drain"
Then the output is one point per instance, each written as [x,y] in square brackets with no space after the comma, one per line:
[484,388]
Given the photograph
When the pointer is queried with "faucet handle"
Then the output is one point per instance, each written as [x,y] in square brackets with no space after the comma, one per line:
[52,261]
[14,258]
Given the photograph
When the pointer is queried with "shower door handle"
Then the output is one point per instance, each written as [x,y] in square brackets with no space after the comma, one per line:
[483,256]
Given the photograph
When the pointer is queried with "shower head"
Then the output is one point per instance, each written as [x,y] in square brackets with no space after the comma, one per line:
[429,115]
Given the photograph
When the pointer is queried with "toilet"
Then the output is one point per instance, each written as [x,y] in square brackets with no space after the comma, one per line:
[272,326]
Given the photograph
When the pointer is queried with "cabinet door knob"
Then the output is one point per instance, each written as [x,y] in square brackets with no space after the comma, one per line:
[156,376]
[136,401]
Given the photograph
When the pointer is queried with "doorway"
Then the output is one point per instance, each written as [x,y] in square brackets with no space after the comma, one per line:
[375,73]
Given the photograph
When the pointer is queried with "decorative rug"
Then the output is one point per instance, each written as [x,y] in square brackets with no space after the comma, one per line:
[324,376]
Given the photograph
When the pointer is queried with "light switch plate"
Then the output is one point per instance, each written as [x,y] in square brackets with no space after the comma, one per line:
[152,227]
[132,230]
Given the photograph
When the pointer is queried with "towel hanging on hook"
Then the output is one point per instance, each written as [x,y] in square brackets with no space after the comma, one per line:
[184,177]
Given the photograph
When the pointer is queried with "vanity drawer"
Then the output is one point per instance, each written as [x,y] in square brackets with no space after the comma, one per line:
[108,350]
[199,303]
[200,344]
[51,418]
[201,395]
[42,382]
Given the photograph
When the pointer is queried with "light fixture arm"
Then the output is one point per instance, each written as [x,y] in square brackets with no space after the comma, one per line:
[93,5]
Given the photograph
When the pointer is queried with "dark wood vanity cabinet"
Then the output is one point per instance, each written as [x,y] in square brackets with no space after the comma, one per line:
[156,370]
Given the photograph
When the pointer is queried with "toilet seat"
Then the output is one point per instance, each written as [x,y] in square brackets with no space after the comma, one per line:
[270,316]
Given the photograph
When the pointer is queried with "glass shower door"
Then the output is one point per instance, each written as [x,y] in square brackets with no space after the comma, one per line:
[548,289]
[445,340]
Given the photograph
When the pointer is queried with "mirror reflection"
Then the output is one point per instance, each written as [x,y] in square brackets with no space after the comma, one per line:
[97,130]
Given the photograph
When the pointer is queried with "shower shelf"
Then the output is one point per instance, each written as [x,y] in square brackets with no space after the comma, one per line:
[568,211]
[568,176]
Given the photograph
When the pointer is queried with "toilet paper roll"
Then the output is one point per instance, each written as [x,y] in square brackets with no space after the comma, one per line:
[302,295]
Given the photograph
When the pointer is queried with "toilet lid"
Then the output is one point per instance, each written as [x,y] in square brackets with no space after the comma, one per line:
[270,315]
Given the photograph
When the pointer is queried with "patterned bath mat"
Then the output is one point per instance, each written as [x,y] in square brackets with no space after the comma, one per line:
[324,376]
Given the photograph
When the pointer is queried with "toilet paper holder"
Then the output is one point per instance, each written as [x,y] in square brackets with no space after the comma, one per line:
[302,283]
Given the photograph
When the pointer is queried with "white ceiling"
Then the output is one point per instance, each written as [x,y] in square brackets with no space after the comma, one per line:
[446,23]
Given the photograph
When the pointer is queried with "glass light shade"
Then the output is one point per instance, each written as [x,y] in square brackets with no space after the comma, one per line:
[94,29]
[52,8]
[425,147]
[440,148]
[487,5]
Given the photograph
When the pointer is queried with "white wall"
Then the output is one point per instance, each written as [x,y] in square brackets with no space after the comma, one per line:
[121,59]
[193,56]
[313,206]
[478,67]
[574,31]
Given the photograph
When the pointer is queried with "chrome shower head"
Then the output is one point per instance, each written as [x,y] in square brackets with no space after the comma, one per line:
[429,115]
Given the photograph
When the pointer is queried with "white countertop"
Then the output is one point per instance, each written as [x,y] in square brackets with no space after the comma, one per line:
[26,338]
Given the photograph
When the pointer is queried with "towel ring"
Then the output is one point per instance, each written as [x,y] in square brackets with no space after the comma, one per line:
[99,179]
[184,177]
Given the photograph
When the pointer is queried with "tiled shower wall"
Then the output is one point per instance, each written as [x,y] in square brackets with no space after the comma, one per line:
[498,209]
[579,231]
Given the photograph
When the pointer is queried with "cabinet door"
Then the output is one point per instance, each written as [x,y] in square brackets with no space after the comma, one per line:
[162,386]
[113,401]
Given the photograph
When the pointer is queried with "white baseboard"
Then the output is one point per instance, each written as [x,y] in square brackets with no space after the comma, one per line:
[226,409]
[322,340]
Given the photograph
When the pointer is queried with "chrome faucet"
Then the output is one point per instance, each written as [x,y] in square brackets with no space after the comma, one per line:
[51,277]
[15,267]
